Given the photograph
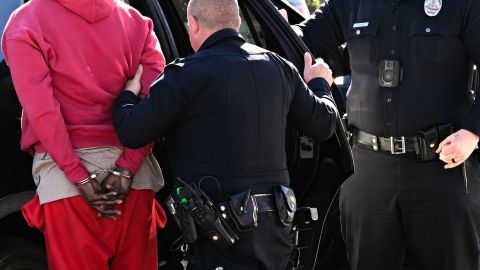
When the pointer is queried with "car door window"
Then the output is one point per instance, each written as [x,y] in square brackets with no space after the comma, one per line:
[181,9]
[257,35]
[251,28]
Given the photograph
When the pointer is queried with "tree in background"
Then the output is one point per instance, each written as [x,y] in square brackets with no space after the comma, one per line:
[313,4]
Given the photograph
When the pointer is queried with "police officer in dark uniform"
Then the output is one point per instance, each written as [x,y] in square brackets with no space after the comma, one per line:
[223,113]
[413,202]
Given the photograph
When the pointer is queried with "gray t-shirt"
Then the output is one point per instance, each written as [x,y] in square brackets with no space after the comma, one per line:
[52,184]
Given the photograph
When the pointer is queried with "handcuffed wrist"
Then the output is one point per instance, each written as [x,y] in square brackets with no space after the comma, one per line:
[83,182]
[122,172]
[90,178]
[119,171]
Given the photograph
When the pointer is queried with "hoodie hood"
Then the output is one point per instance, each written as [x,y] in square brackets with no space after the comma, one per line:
[90,10]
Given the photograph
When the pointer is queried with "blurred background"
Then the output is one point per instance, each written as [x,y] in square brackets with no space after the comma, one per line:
[306,7]
[313,4]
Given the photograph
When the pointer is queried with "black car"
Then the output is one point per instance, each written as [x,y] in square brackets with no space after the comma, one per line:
[317,169]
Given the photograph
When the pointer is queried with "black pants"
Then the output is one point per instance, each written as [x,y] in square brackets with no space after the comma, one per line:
[401,213]
[268,247]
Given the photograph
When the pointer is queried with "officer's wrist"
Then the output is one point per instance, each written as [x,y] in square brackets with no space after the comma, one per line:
[319,84]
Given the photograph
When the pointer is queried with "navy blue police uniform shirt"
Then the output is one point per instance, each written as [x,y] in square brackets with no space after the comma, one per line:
[434,51]
[223,113]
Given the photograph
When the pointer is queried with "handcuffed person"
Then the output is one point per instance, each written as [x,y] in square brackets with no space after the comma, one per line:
[67,76]
[223,113]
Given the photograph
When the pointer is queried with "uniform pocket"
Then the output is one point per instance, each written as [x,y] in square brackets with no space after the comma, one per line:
[363,44]
[434,43]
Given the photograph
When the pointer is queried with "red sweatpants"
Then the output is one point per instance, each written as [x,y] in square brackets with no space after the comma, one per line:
[77,239]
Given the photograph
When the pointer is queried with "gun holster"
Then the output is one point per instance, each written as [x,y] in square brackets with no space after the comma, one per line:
[243,211]
[286,204]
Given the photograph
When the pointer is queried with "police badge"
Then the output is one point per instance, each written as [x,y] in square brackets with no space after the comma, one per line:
[432,7]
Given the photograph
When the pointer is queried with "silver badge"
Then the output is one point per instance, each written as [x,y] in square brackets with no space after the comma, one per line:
[432,7]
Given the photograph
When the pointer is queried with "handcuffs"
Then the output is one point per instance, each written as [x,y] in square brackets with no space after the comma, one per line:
[96,173]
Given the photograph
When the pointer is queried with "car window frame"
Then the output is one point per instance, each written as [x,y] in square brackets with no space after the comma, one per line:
[162,29]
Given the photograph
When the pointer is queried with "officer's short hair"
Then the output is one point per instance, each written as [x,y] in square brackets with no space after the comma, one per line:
[215,14]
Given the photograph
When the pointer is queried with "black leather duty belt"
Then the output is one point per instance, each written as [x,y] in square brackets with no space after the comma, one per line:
[393,145]
[265,203]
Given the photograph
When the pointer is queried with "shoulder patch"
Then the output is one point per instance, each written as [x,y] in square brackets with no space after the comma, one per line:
[178,63]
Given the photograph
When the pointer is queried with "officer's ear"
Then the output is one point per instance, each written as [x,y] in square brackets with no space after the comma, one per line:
[193,26]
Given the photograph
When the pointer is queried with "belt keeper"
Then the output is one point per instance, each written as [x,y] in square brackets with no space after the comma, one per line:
[417,145]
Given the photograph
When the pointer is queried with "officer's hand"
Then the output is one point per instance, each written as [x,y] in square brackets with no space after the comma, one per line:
[119,184]
[92,192]
[319,69]
[134,85]
[456,148]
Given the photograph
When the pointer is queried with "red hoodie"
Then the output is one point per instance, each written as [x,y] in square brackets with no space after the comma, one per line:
[69,60]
